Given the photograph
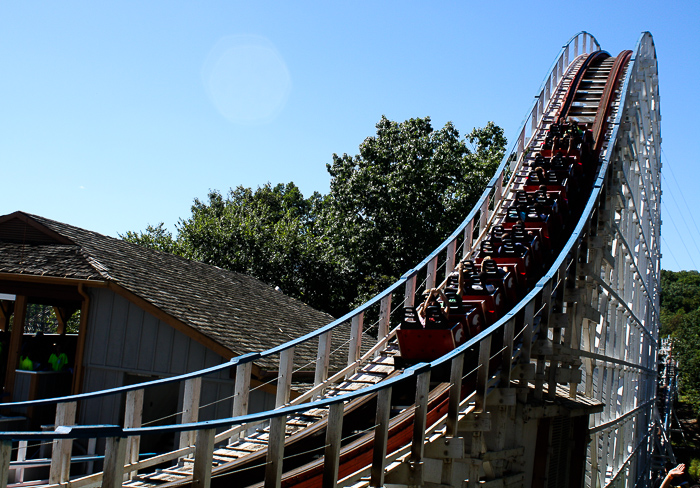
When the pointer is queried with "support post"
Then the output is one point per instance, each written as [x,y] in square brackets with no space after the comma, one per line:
[275,452]
[60,455]
[241,392]
[323,358]
[203,458]
[284,379]
[355,338]
[115,452]
[420,416]
[16,335]
[5,455]
[21,456]
[451,254]
[456,373]
[190,407]
[482,374]
[468,239]
[384,317]
[409,297]
[507,354]
[132,419]
[331,457]
[484,211]
[381,436]
[432,270]
[91,449]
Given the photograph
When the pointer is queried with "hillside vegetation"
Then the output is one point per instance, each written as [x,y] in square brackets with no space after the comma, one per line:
[680,319]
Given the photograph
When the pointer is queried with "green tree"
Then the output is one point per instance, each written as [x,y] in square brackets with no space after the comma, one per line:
[686,347]
[271,233]
[155,237]
[405,192]
[680,318]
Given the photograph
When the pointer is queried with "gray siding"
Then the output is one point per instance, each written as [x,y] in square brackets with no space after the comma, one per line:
[123,338]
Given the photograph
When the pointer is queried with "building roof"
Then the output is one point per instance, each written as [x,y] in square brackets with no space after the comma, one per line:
[234,310]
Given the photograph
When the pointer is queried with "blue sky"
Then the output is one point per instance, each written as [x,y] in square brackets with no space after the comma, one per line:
[113,117]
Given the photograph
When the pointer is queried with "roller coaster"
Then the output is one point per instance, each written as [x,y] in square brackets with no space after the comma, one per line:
[531,362]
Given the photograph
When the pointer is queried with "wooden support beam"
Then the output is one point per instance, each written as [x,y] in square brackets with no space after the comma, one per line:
[62,448]
[241,393]
[6,309]
[203,457]
[190,407]
[5,455]
[78,371]
[355,339]
[381,436]
[475,422]
[526,348]
[133,414]
[323,358]
[420,417]
[507,354]
[15,344]
[456,372]
[431,276]
[451,255]
[115,453]
[468,238]
[284,379]
[331,457]
[21,456]
[275,452]
[410,291]
[384,317]
[482,375]
[484,210]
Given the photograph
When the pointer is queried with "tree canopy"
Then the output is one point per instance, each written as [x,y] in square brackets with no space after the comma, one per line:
[680,319]
[406,191]
[388,207]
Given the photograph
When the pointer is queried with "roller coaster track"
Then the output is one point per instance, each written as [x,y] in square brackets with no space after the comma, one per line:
[581,343]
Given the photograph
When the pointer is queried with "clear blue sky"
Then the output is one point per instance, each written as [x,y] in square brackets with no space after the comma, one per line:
[113,117]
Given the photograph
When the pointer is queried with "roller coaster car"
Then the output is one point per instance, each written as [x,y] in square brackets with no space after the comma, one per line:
[533,184]
[564,166]
[439,336]
[542,229]
[553,199]
[515,263]
[491,274]
[490,299]
[533,240]
[472,318]
[557,212]
[495,238]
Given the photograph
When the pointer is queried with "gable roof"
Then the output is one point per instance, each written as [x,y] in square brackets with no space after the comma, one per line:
[233,310]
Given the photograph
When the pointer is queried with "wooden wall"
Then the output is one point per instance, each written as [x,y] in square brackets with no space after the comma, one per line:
[125,343]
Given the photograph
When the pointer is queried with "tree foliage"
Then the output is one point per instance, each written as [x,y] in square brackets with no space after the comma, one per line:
[405,192]
[271,233]
[388,207]
[680,318]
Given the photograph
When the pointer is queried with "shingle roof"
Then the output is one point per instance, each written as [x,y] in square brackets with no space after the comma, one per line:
[236,311]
